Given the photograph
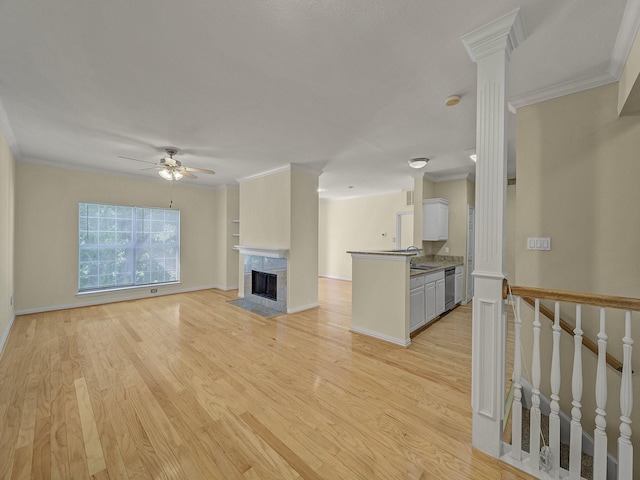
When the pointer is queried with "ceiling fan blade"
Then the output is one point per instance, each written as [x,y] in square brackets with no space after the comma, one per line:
[198,170]
[136,160]
[157,167]
[186,174]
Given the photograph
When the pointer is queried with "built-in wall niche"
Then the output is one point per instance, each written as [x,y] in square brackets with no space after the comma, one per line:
[235,233]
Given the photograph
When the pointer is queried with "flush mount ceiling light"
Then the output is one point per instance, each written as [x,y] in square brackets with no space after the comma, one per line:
[452,100]
[418,162]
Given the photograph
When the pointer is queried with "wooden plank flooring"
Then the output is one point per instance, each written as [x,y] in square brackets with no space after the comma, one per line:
[189,386]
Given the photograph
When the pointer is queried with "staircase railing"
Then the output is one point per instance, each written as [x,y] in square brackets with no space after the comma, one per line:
[547,465]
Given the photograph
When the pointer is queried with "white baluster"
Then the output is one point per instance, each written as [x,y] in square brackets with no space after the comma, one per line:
[554,416]
[625,447]
[516,413]
[600,435]
[534,420]
[575,449]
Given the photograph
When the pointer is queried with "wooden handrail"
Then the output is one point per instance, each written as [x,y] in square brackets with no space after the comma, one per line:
[528,294]
[607,301]
[567,327]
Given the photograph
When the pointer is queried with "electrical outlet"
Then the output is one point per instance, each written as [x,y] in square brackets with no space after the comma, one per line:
[154,290]
[11,300]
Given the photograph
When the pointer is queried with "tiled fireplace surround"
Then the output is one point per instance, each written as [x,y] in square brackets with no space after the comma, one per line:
[268,264]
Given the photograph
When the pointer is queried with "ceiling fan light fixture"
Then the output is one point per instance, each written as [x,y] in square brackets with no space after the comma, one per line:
[177,175]
[166,174]
[418,162]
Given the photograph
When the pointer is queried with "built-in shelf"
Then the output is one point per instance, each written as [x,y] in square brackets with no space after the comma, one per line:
[235,221]
[235,234]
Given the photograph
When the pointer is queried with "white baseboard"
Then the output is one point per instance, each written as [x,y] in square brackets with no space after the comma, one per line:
[6,334]
[381,336]
[102,301]
[346,279]
[303,308]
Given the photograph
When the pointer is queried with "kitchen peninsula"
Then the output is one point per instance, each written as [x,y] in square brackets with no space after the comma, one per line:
[381,285]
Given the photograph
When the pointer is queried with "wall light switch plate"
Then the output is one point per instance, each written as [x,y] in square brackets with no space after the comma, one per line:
[539,243]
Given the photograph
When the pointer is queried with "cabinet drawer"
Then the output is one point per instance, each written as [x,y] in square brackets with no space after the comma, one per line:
[416,281]
[433,277]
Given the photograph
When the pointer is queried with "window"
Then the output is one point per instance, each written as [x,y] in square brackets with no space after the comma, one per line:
[121,246]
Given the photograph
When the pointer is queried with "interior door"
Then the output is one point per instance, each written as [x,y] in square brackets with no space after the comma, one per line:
[470,250]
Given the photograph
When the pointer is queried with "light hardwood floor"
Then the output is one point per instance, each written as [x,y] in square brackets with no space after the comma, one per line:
[189,386]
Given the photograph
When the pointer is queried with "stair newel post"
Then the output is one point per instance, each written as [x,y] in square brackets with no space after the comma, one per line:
[575,453]
[600,434]
[625,447]
[534,420]
[554,416]
[516,419]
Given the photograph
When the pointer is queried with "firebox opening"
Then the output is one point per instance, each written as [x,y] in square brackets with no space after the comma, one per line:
[264,285]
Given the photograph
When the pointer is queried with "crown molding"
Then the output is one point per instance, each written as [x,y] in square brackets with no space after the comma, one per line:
[9,136]
[504,33]
[266,173]
[561,89]
[626,36]
[305,169]
[456,176]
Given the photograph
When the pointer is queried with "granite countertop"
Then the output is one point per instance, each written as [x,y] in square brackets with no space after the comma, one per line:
[439,262]
[396,253]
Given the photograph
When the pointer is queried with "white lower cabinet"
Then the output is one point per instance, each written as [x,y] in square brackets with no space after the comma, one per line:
[428,289]
[416,308]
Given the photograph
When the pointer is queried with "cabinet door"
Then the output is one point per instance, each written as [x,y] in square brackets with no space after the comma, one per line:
[458,296]
[443,219]
[430,300]
[439,296]
[417,315]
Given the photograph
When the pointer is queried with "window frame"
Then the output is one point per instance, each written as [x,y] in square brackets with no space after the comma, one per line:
[144,245]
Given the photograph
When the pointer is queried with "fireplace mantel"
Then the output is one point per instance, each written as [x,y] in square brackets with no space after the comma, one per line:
[264,251]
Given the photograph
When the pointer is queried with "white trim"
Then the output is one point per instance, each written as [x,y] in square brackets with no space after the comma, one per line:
[6,334]
[503,34]
[626,36]
[9,136]
[381,336]
[390,257]
[304,168]
[263,251]
[303,308]
[562,89]
[478,273]
[454,176]
[52,308]
[267,173]
[346,279]
[108,291]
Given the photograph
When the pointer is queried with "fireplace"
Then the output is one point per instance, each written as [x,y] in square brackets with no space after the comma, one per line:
[265,277]
[264,285]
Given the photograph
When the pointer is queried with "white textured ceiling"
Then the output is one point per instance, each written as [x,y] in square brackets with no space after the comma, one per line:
[353,88]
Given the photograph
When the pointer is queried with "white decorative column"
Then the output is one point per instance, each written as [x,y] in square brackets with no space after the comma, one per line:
[490,47]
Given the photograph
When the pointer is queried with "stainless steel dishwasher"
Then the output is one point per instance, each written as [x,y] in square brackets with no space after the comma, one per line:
[449,288]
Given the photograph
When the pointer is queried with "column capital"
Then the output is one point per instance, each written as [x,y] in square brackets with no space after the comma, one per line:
[502,34]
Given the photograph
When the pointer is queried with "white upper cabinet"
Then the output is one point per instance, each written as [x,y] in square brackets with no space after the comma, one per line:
[436,219]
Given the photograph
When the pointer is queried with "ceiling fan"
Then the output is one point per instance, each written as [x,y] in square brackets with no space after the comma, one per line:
[170,168]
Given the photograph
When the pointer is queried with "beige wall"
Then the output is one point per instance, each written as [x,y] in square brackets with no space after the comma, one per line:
[46,253]
[356,224]
[302,292]
[7,222]
[629,84]
[510,235]
[578,172]
[280,210]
